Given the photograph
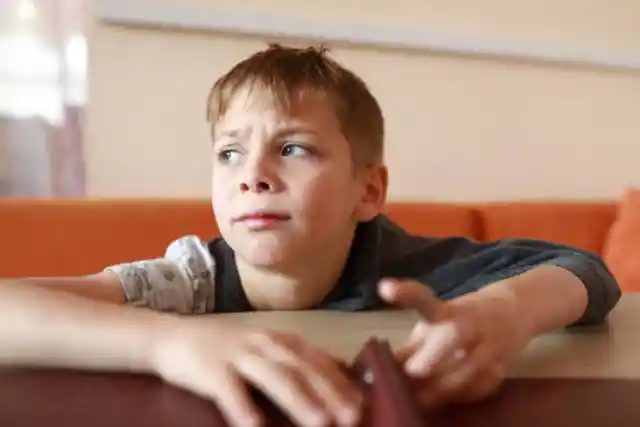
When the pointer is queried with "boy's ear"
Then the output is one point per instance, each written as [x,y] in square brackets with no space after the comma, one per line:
[375,181]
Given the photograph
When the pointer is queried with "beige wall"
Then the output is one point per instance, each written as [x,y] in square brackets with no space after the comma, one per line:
[459,129]
[24,157]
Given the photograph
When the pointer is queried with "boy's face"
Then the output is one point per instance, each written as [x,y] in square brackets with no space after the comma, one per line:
[284,186]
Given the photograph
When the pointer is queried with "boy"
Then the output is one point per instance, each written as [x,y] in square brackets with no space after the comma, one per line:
[298,183]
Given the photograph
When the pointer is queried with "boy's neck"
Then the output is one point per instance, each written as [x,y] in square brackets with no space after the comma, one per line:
[299,287]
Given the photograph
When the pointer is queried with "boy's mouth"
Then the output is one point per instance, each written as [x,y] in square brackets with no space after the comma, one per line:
[262,219]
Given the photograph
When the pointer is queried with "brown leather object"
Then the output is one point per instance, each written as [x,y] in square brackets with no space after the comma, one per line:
[388,399]
[38,398]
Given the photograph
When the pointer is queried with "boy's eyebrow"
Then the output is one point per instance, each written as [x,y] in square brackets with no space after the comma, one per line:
[228,133]
[289,130]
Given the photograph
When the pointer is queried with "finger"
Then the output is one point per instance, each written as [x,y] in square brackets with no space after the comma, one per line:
[234,401]
[410,294]
[485,384]
[338,393]
[468,369]
[327,378]
[439,344]
[284,386]
[413,343]
[407,351]
[223,387]
[431,394]
[301,348]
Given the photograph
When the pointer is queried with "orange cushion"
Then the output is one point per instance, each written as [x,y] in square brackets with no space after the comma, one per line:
[622,247]
[583,225]
[82,236]
[434,219]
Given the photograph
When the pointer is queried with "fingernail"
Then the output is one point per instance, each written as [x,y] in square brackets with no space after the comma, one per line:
[452,380]
[386,289]
[448,384]
[348,417]
[252,421]
[413,367]
[315,418]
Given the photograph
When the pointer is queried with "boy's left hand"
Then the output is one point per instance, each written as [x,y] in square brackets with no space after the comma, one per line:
[459,350]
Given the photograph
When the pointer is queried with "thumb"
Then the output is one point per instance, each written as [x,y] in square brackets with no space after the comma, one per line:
[410,294]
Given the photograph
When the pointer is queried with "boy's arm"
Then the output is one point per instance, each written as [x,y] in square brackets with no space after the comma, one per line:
[210,357]
[493,299]
[542,275]
[548,297]
[181,282]
[104,286]
[42,327]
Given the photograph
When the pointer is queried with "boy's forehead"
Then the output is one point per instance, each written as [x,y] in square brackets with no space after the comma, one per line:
[261,106]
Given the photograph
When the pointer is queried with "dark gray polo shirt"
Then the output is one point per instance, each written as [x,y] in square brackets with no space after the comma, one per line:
[197,277]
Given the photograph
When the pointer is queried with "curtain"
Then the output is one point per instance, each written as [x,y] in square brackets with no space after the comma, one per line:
[43,61]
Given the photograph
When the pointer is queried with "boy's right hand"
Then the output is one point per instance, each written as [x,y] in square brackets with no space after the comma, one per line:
[220,361]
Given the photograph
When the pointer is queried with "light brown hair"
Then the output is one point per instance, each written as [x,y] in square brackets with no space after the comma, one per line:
[288,73]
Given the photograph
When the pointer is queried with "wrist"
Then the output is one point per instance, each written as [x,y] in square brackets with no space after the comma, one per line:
[546,297]
[503,300]
[173,342]
[156,333]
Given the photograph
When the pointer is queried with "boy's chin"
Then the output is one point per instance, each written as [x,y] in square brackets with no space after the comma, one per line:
[267,253]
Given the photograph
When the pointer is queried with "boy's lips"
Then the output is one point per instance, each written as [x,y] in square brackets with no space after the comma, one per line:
[266,215]
[262,219]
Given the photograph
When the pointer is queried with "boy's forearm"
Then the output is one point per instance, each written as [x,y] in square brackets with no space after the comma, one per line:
[44,328]
[548,297]
[101,286]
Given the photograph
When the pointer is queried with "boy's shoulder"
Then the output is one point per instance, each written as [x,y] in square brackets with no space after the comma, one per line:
[179,281]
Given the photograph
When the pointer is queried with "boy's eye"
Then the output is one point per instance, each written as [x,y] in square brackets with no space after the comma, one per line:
[294,150]
[228,156]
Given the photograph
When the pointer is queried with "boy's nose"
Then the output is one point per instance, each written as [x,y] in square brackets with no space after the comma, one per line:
[259,175]
[257,186]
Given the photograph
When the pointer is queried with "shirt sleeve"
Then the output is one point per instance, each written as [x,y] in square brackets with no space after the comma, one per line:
[181,282]
[465,266]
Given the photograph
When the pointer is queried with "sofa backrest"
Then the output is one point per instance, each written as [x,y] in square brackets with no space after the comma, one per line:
[584,225]
[74,237]
[45,237]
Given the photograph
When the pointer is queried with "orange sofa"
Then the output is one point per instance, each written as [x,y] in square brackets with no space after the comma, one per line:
[46,237]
